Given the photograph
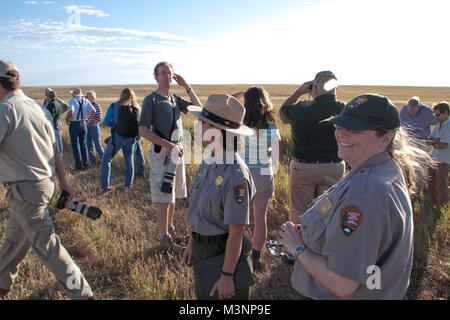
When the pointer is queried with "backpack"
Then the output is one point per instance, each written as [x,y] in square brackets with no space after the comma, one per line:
[127,123]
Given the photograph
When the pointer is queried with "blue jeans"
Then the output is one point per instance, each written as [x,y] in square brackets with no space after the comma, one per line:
[77,133]
[127,146]
[58,137]
[140,160]
[94,139]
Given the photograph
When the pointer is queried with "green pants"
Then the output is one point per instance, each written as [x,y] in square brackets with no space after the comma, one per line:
[205,249]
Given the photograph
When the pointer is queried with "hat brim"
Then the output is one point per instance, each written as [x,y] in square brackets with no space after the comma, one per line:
[242,130]
[351,123]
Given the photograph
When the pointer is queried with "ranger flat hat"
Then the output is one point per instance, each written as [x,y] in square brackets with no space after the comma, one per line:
[224,112]
[5,67]
[368,112]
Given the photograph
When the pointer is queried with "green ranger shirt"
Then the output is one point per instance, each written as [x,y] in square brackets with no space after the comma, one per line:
[313,141]
[362,224]
[221,194]
[56,110]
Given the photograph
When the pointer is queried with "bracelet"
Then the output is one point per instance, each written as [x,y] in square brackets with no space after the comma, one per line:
[188,89]
[227,274]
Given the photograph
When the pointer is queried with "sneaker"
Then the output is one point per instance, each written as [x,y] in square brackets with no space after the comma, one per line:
[167,244]
[104,190]
[4,293]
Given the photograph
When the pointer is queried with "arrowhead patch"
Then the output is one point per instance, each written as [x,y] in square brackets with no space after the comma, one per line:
[350,219]
[240,193]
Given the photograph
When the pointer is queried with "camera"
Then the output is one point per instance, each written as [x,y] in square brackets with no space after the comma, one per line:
[64,202]
[169,175]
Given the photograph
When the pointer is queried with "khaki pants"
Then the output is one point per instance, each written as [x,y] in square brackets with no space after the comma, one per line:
[307,182]
[438,186]
[29,225]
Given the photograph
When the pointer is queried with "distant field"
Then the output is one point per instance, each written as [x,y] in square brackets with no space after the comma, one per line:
[111,252]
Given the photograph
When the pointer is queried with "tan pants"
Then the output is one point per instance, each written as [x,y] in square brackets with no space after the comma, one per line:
[29,225]
[438,186]
[307,182]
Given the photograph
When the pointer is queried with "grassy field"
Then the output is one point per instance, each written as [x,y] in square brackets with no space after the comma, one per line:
[112,252]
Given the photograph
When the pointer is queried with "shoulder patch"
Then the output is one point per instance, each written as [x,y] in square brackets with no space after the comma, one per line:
[350,219]
[240,193]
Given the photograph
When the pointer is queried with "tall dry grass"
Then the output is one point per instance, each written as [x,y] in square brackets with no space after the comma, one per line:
[113,252]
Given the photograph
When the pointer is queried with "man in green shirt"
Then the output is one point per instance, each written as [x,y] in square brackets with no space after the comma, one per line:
[314,165]
[55,108]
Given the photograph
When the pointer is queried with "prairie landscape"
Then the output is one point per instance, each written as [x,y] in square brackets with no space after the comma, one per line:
[112,252]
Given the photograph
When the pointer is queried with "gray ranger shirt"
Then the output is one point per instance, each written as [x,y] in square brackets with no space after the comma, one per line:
[364,220]
[221,194]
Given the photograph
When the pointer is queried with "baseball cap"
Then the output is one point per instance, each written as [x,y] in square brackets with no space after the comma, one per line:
[5,67]
[368,112]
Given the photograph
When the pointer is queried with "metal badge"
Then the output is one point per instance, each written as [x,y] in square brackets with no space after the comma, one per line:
[324,206]
[219,181]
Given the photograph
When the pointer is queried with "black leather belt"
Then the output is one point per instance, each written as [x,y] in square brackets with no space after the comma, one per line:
[200,238]
[75,122]
[316,162]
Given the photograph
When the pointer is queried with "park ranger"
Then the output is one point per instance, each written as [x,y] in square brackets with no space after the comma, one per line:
[219,207]
[356,240]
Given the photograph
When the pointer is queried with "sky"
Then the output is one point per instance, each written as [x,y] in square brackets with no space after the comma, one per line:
[364,42]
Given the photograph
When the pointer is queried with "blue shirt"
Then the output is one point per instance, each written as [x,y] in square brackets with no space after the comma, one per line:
[419,125]
[442,132]
[111,120]
[74,106]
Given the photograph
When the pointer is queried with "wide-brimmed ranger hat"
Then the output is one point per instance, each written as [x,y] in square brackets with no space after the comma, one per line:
[224,112]
[368,112]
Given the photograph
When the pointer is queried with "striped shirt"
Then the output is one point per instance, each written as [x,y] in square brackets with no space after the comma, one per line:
[98,114]
[258,148]
[442,132]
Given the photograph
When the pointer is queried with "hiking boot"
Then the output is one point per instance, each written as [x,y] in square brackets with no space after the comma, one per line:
[168,244]
[4,293]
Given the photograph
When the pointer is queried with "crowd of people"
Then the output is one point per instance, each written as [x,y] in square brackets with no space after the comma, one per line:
[352,172]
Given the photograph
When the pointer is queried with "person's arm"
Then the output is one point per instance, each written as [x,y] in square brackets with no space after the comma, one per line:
[316,265]
[225,285]
[238,95]
[69,111]
[194,99]
[60,174]
[303,89]
[146,133]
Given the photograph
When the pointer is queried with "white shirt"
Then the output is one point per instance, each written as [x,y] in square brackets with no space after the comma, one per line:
[442,132]
[74,106]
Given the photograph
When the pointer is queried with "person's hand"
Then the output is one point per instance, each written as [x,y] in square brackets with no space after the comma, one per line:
[174,150]
[67,188]
[291,236]
[187,256]
[224,287]
[306,87]
[180,80]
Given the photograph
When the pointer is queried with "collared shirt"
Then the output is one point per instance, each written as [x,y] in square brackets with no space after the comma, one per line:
[420,124]
[56,109]
[27,139]
[442,131]
[74,106]
[313,141]
[98,114]
[221,194]
[361,223]
[158,114]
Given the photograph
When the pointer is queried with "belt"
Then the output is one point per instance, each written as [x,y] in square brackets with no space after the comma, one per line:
[76,122]
[315,162]
[200,238]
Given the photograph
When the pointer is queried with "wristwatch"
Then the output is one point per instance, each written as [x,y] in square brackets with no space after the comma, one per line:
[299,250]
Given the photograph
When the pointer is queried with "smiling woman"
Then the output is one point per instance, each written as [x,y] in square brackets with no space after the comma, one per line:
[364,222]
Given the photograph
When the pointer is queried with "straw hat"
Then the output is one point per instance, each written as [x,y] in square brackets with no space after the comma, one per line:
[224,112]
[77,92]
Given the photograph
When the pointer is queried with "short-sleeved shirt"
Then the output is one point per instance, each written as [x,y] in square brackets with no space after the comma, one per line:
[442,131]
[74,106]
[98,114]
[313,141]
[258,147]
[362,222]
[158,115]
[112,117]
[56,110]
[221,194]
[419,125]
[27,139]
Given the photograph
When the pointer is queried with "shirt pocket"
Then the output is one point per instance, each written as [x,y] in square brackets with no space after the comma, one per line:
[212,198]
[313,230]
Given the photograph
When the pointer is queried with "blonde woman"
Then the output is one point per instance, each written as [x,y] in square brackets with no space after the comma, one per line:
[122,116]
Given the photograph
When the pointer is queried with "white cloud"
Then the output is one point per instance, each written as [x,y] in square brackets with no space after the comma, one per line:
[85,9]
[33,2]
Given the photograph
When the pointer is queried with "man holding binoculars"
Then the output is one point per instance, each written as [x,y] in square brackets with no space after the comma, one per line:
[160,123]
